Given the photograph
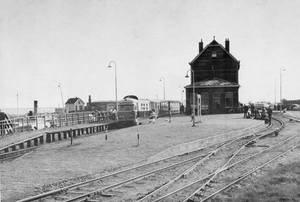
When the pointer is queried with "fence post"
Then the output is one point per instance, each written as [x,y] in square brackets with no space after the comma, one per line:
[36,121]
[71,135]
[138,135]
[106,132]
[22,124]
[27,123]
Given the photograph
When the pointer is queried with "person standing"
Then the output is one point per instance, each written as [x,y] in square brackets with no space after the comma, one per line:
[269,114]
[181,109]
[152,117]
[245,110]
[252,107]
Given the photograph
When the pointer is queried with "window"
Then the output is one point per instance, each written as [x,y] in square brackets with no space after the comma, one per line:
[214,54]
[125,108]
[228,99]
[204,100]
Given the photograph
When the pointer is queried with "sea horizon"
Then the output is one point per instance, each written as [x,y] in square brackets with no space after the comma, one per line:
[23,111]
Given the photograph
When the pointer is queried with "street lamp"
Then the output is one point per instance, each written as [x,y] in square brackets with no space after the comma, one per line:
[17,104]
[164,86]
[281,69]
[181,91]
[109,66]
[187,76]
[62,100]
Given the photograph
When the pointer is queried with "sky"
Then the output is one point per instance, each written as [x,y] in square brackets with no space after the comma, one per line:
[45,44]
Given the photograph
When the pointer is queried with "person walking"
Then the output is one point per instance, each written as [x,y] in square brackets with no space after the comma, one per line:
[192,116]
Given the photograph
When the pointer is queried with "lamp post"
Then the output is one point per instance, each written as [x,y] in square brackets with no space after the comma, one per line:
[281,69]
[164,86]
[181,91]
[18,104]
[62,99]
[275,94]
[187,76]
[109,66]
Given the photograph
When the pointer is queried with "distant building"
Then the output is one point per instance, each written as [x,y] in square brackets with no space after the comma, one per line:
[216,79]
[59,110]
[74,105]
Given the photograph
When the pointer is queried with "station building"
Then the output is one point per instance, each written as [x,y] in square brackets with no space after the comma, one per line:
[216,78]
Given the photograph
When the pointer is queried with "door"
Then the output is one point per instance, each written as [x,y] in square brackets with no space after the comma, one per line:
[216,103]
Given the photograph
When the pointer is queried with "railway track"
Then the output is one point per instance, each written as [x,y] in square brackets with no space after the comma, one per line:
[10,156]
[112,181]
[186,189]
[291,117]
[200,174]
[238,166]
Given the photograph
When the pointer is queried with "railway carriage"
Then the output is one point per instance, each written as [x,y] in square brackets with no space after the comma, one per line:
[166,105]
[128,110]
[131,108]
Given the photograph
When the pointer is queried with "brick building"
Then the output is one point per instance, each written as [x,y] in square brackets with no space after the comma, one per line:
[216,79]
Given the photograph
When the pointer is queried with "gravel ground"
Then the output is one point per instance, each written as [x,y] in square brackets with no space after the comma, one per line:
[88,155]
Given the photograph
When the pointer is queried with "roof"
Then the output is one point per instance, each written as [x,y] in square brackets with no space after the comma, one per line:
[213,83]
[72,100]
[131,96]
[213,43]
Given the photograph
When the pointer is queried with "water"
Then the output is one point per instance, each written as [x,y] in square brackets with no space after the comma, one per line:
[23,111]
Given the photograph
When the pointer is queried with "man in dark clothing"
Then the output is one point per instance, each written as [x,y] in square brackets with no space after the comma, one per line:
[269,114]
[181,109]
[245,110]
[252,107]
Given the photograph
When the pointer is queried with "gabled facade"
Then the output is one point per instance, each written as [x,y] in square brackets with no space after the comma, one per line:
[74,105]
[216,79]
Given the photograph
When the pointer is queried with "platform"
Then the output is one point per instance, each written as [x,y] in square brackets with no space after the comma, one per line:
[59,161]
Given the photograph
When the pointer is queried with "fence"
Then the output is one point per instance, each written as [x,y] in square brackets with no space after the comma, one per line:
[38,122]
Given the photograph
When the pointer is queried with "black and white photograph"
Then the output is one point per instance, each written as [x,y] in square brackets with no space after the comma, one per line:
[149,100]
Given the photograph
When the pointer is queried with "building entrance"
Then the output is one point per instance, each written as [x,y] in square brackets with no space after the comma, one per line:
[216,103]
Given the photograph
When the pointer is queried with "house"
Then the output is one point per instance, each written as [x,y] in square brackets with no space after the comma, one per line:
[215,71]
[74,105]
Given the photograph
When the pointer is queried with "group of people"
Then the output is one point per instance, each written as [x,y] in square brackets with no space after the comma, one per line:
[153,116]
[251,112]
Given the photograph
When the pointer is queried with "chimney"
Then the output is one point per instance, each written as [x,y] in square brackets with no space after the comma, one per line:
[90,99]
[227,44]
[200,46]
[35,106]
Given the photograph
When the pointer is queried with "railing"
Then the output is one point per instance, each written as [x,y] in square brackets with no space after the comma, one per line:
[30,123]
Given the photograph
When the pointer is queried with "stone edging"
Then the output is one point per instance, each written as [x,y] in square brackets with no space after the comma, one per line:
[196,144]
